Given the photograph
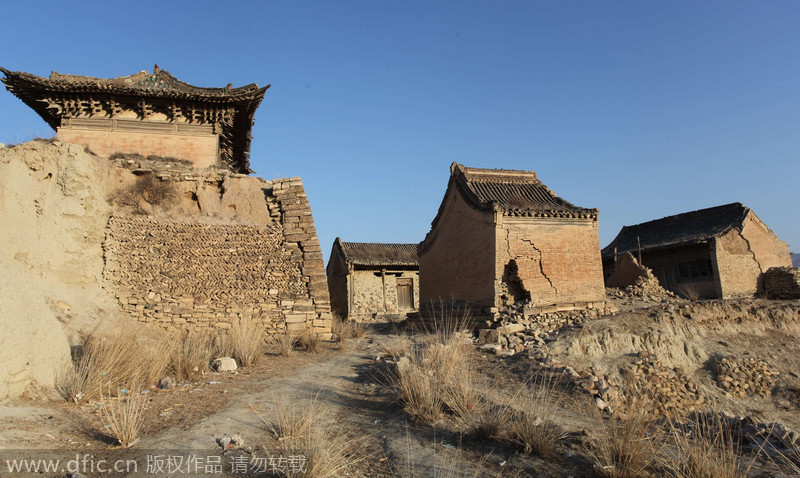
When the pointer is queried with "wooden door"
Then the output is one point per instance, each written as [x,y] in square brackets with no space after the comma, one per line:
[405,293]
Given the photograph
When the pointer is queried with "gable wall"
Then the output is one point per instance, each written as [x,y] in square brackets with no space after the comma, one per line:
[742,256]
[558,260]
[337,283]
[459,264]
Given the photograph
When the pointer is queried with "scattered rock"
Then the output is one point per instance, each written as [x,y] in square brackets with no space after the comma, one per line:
[494,348]
[167,383]
[223,364]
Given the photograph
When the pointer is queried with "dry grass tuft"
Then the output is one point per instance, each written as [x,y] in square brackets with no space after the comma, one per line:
[286,343]
[247,342]
[396,346]
[534,429]
[293,421]
[191,355]
[689,291]
[341,331]
[124,414]
[309,340]
[705,448]
[488,424]
[418,392]
[448,320]
[359,329]
[301,431]
[112,362]
[626,447]
[435,378]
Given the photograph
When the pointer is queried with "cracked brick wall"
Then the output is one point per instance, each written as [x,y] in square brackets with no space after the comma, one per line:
[743,256]
[557,260]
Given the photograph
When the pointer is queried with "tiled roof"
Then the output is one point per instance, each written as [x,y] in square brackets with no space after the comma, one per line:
[693,227]
[511,192]
[378,254]
[514,192]
[158,83]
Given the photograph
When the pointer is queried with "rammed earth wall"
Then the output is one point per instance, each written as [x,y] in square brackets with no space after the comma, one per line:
[202,272]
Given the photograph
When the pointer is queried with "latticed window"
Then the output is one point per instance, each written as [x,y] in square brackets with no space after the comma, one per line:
[697,270]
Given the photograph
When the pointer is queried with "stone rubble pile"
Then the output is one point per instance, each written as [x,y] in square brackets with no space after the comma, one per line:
[604,390]
[782,283]
[515,331]
[646,288]
[744,376]
[669,388]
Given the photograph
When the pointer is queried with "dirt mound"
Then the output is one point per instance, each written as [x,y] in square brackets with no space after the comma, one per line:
[740,355]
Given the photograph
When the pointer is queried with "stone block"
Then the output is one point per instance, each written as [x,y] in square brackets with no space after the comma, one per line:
[223,364]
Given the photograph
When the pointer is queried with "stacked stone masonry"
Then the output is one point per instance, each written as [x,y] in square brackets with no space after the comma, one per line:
[180,274]
[782,283]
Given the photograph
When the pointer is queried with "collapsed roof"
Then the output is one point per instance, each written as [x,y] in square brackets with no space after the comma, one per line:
[695,227]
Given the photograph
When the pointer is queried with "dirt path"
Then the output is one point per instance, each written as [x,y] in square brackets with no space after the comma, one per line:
[322,379]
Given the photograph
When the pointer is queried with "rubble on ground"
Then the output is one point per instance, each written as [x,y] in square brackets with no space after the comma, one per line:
[744,376]
[668,388]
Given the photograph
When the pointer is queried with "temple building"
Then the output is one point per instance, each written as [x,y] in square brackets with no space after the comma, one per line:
[501,238]
[145,113]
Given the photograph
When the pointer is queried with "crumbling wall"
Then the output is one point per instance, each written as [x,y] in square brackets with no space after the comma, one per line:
[627,271]
[552,261]
[257,259]
[782,283]
[742,256]
[368,291]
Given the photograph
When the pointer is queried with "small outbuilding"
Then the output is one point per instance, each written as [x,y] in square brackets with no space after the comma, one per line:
[501,237]
[718,252]
[365,279]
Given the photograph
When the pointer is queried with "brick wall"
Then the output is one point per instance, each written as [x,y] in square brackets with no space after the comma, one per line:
[557,260]
[202,273]
[459,264]
[202,150]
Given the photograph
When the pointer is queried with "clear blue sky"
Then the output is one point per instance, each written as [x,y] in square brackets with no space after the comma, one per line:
[640,109]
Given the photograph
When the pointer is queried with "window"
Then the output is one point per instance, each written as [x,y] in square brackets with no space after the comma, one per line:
[697,270]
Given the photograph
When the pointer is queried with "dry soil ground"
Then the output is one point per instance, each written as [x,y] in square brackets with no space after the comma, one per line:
[351,387]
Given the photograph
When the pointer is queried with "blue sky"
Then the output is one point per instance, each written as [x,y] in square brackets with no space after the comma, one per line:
[640,109]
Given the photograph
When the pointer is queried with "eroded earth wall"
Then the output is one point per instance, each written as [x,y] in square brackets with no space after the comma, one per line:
[92,245]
